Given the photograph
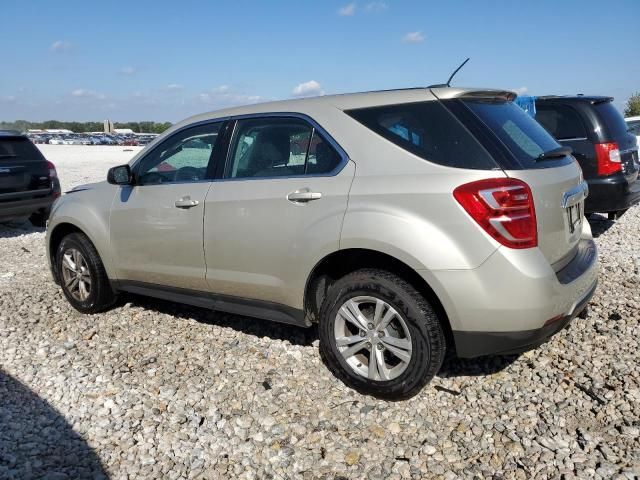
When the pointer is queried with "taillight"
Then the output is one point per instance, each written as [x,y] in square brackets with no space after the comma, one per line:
[53,177]
[504,208]
[608,158]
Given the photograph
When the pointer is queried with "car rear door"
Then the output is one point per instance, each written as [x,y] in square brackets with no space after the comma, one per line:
[156,225]
[276,211]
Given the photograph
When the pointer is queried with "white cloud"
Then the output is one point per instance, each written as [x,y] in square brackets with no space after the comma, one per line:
[173,87]
[413,37]
[521,90]
[128,71]
[83,93]
[376,7]
[226,96]
[60,46]
[347,10]
[307,89]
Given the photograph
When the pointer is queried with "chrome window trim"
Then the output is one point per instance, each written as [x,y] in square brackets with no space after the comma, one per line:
[316,127]
[572,139]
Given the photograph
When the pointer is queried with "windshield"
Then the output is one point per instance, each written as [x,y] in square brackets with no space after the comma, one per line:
[525,138]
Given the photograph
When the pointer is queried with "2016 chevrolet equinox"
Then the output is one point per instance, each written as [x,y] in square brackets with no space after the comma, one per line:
[402,222]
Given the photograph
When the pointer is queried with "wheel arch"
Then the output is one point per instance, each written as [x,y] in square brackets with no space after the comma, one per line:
[341,262]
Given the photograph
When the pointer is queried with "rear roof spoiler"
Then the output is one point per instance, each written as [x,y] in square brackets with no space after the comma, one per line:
[473,94]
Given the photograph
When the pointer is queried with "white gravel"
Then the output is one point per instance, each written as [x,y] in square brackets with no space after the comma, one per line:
[158,390]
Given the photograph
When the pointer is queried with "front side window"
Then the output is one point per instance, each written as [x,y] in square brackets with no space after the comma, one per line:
[278,147]
[561,121]
[634,127]
[428,130]
[182,157]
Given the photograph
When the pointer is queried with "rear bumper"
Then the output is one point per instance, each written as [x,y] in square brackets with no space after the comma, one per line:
[477,344]
[23,208]
[610,194]
[506,303]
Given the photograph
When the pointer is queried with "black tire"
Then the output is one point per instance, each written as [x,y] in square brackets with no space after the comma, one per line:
[101,295]
[39,219]
[427,337]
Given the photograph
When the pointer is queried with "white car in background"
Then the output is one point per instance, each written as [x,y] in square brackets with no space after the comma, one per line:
[56,141]
[634,126]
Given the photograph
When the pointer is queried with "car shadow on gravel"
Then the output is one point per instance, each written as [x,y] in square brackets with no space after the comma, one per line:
[474,367]
[11,230]
[248,325]
[599,224]
[37,442]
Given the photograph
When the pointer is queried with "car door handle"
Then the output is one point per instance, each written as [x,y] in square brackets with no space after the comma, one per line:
[186,202]
[303,196]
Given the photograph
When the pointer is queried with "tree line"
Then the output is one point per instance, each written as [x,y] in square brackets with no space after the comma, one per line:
[78,127]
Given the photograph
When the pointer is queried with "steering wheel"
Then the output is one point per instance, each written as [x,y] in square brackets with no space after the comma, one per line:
[188,174]
[153,177]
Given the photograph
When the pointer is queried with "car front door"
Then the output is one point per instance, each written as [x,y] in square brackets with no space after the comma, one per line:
[277,210]
[156,225]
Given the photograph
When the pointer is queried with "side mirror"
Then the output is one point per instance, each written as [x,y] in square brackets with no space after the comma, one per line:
[120,175]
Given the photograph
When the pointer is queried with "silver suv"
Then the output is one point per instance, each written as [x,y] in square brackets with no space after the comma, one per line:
[402,222]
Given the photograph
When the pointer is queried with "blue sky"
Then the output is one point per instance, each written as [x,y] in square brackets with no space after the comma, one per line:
[162,60]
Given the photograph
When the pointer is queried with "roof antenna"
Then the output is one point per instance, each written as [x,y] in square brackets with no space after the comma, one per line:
[456,71]
[448,84]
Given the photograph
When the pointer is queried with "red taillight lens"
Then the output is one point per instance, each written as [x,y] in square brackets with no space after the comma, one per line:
[504,208]
[53,177]
[608,158]
[52,170]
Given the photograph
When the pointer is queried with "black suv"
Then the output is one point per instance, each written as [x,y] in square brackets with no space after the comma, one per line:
[606,151]
[28,182]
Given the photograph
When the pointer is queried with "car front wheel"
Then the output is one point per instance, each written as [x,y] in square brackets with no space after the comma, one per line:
[379,335]
[82,275]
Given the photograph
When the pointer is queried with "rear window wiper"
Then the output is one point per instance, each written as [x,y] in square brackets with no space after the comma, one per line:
[556,153]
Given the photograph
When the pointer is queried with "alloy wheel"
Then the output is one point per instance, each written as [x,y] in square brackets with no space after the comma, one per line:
[373,338]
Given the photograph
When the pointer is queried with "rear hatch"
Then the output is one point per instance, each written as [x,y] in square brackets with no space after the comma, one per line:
[615,129]
[526,151]
[23,169]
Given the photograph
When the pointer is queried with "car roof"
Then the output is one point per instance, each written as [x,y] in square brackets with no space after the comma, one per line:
[347,101]
[11,134]
[632,119]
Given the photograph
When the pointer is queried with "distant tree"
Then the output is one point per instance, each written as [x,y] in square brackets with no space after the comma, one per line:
[138,127]
[633,106]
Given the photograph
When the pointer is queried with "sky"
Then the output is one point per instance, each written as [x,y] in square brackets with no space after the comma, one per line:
[166,60]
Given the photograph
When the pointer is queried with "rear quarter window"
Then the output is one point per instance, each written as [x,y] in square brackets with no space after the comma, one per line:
[612,120]
[428,130]
[18,148]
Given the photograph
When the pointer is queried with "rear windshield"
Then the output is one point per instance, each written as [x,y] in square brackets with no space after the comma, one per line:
[21,148]
[428,130]
[612,119]
[525,138]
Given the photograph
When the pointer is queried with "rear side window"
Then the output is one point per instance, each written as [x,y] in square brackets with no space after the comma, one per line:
[279,147]
[525,138]
[20,148]
[612,119]
[561,121]
[428,130]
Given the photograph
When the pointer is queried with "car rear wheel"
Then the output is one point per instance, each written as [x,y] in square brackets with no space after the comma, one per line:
[82,275]
[379,335]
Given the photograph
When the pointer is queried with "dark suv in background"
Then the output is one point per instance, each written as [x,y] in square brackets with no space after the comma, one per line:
[606,151]
[28,182]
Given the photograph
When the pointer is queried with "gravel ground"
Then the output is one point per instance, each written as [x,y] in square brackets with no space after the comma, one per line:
[157,390]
